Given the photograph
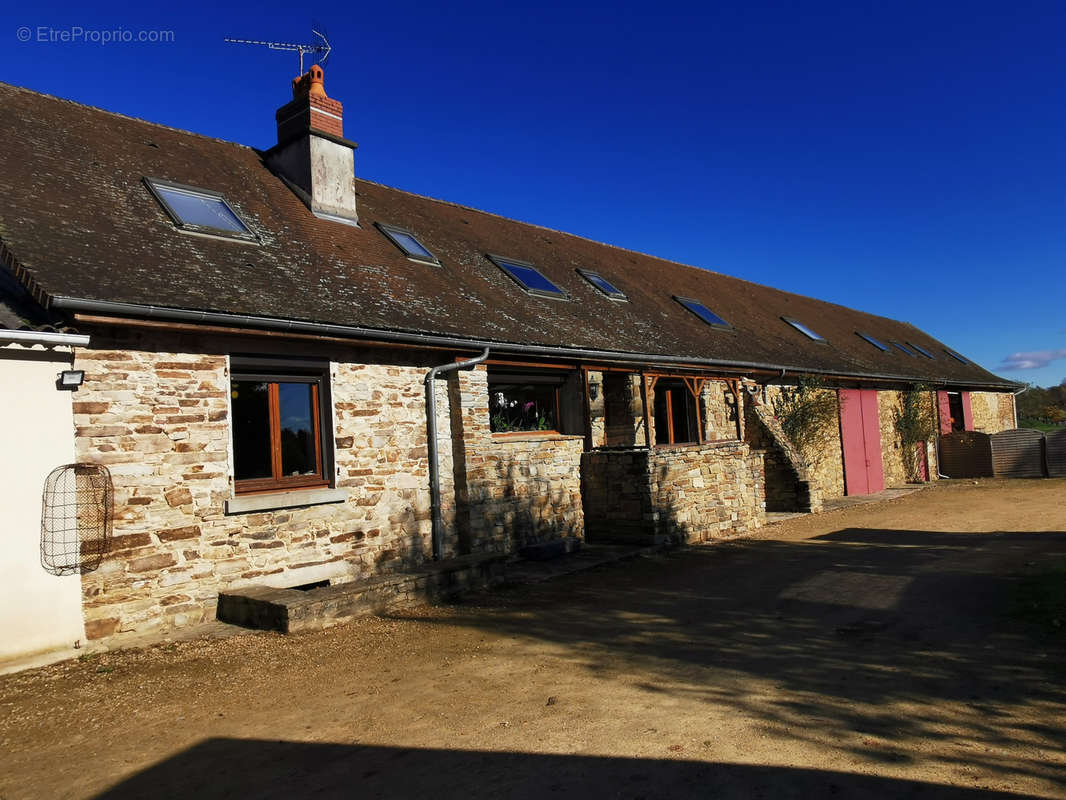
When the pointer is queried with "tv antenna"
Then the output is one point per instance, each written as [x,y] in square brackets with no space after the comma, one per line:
[323,48]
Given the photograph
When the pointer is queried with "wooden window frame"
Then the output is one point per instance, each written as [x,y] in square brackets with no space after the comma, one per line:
[694,385]
[323,461]
[533,378]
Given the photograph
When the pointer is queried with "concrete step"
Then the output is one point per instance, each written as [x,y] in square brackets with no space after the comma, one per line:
[293,610]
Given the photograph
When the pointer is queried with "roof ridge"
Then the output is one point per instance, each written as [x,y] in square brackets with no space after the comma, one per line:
[626,249]
[120,115]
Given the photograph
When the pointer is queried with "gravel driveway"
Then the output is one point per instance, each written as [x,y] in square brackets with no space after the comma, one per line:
[875,652]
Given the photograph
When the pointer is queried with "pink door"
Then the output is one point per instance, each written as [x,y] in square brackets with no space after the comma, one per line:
[944,407]
[860,434]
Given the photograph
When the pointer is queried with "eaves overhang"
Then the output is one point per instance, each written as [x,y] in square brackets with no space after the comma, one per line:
[118,310]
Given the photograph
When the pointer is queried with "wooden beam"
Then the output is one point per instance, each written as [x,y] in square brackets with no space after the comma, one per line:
[588,409]
[644,403]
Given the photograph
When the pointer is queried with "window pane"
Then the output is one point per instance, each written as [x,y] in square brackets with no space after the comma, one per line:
[674,404]
[251,429]
[808,332]
[603,284]
[684,411]
[901,348]
[199,209]
[411,245]
[873,341]
[531,278]
[522,407]
[296,417]
[662,416]
[704,313]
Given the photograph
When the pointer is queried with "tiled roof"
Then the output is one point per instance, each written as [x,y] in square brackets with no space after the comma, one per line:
[76,215]
[19,311]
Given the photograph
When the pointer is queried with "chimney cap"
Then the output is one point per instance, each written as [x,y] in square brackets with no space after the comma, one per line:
[311,83]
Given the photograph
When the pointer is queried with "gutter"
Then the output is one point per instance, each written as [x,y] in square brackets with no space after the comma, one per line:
[431,433]
[44,337]
[435,340]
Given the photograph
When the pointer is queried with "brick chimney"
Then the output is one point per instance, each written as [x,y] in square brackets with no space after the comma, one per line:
[312,156]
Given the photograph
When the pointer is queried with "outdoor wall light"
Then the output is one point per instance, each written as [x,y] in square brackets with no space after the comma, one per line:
[594,389]
[71,378]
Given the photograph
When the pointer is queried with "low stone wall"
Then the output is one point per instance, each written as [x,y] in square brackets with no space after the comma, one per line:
[691,493]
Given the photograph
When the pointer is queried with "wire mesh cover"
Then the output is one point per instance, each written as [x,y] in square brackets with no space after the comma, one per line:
[76,517]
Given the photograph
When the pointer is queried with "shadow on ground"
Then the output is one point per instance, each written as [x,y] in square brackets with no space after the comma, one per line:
[902,639]
[218,768]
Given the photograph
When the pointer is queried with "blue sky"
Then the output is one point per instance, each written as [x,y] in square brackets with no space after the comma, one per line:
[902,158]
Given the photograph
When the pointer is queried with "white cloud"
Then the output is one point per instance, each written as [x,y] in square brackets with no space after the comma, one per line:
[1035,359]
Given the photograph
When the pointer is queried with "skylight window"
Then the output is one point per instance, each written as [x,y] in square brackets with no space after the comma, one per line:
[408,244]
[199,210]
[529,277]
[602,284]
[704,313]
[810,334]
[902,349]
[921,350]
[883,348]
[956,356]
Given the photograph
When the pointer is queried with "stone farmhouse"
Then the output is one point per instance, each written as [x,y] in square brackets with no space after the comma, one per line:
[294,377]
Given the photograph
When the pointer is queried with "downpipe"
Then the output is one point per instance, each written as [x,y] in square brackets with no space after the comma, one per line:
[431,432]
[1014,402]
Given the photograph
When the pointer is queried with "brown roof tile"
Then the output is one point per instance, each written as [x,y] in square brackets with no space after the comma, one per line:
[75,213]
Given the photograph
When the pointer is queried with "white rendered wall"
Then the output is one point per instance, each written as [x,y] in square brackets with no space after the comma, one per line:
[38,611]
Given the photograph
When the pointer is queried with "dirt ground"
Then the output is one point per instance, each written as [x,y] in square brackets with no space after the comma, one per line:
[878,651]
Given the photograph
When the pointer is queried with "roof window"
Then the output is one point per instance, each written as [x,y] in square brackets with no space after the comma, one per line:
[882,347]
[956,356]
[407,243]
[704,313]
[529,277]
[199,210]
[903,349]
[602,284]
[810,334]
[921,350]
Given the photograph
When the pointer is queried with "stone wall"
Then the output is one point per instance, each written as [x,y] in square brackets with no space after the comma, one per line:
[898,465]
[893,459]
[513,489]
[718,410]
[788,485]
[154,408]
[690,493]
[826,473]
[992,411]
[623,410]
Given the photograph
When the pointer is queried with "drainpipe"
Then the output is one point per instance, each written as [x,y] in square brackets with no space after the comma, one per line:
[431,431]
[1025,388]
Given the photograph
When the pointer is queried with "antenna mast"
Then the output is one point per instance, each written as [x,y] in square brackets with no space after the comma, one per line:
[323,48]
